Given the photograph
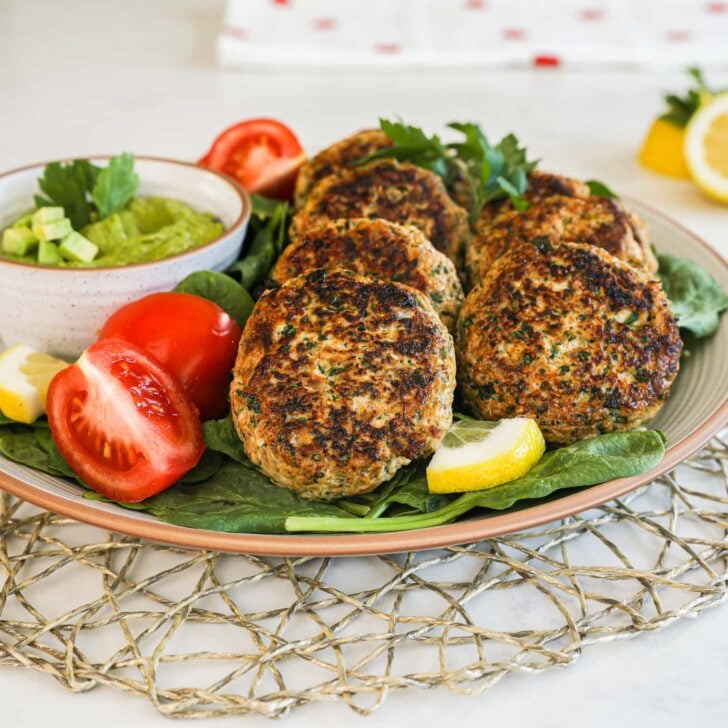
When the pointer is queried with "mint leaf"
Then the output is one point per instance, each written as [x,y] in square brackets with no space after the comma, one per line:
[115,185]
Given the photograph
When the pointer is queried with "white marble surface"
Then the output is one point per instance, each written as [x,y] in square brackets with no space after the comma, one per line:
[91,77]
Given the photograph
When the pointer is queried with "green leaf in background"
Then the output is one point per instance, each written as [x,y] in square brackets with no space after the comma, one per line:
[267,236]
[115,185]
[584,463]
[599,189]
[681,108]
[695,297]
[222,290]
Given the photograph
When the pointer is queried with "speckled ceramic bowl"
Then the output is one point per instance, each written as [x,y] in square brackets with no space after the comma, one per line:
[59,310]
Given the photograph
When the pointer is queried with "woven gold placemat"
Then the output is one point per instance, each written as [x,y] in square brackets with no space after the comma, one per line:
[201,634]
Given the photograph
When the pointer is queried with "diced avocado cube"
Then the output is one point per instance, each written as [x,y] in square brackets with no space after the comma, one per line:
[48,253]
[45,215]
[18,241]
[77,248]
[55,230]
[24,222]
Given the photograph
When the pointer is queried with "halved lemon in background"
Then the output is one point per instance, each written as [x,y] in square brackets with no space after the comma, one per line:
[24,378]
[662,150]
[706,148]
[477,455]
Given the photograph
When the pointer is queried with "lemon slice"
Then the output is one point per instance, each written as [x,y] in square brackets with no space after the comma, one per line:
[706,147]
[476,455]
[24,378]
[662,150]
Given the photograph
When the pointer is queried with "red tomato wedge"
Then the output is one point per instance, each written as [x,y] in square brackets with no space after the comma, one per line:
[191,337]
[123,423]
[263,155]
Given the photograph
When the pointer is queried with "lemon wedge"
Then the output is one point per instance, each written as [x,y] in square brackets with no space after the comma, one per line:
[477,455]
[662,150]
[24,378]
[706,147]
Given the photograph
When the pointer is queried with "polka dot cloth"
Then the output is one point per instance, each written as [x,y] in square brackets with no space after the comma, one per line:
[540,33]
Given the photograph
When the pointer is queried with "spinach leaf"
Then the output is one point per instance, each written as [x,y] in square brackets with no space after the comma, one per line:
[115,185]
[695,297]
[408,487]
[222,290]
[221,437]
[267,236]
[237,498]
[34,447]
[599,189]
[209,464]
[587,462]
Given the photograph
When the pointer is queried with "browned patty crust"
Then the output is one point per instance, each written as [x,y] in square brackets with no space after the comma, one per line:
[341,379]
[336,157]
[396,191]
[570,336]
[596,220]
[378,248]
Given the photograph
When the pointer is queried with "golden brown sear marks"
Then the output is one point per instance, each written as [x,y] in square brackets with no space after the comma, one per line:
[337,157]
[396,191]
[378,248]
[570,336]
[595,220]
[340,380]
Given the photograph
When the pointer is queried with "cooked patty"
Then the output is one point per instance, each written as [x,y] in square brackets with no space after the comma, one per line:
[395,191]
[340,380]
[378,248]
[595,220]
[336,157]
[570,336]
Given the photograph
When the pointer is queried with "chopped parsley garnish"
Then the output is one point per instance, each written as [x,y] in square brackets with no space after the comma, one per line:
[490,171]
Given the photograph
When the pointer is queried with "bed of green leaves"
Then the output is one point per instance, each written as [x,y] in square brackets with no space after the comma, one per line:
[225,492]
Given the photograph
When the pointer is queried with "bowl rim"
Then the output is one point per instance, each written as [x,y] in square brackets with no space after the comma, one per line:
[240,222]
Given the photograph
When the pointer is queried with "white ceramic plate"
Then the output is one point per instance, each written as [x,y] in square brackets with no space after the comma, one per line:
[696,410]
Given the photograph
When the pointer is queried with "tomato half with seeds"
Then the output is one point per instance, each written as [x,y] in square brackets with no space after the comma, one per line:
[263,155]
[123,423]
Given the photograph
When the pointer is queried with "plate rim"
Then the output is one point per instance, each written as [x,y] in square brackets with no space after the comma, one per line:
[335,545]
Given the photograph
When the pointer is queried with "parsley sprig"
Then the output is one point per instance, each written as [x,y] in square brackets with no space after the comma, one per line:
[681,108]
[490,171]
[86,191]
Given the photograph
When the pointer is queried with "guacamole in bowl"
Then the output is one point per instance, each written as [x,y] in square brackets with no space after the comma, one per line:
[90,217]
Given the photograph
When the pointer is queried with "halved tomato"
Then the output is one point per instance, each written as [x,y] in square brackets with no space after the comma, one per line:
[263,155]
[123,423]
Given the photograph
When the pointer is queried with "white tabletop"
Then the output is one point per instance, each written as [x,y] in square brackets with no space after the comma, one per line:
[87,77]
